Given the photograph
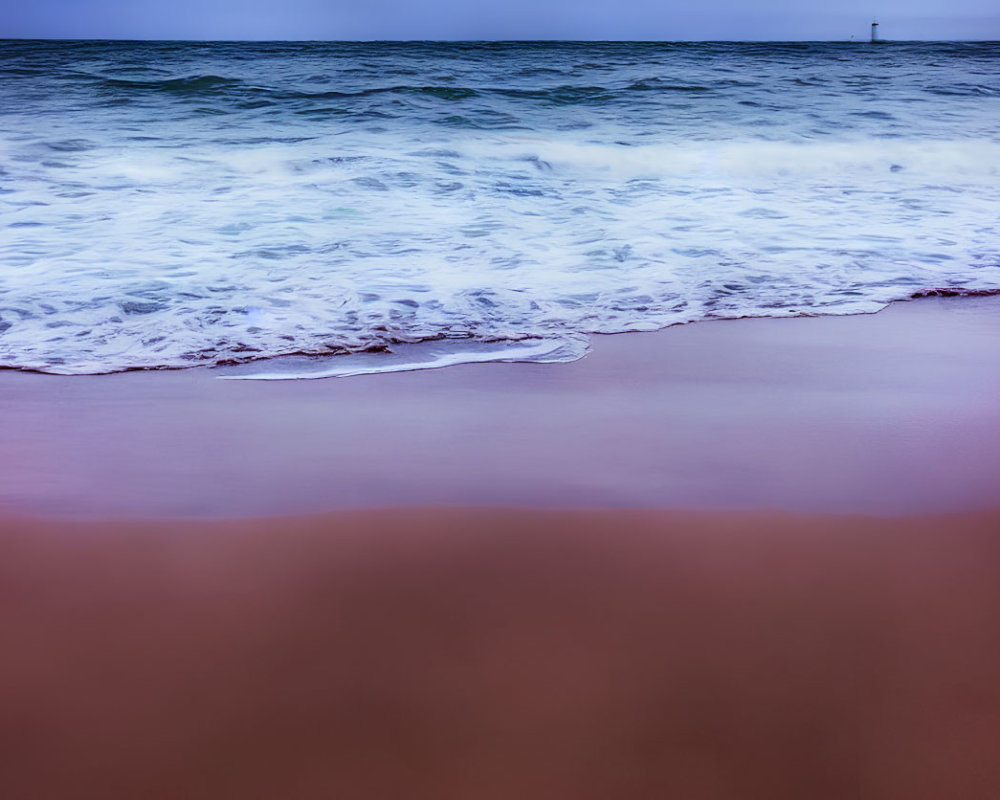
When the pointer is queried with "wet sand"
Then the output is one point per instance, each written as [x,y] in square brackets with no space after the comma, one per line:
[500,654]
[896,412]
[515,615]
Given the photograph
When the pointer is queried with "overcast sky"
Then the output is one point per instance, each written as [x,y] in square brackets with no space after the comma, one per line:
[508,19]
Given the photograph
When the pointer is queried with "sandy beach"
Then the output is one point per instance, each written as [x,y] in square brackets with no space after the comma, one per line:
[747,559]
[534,654]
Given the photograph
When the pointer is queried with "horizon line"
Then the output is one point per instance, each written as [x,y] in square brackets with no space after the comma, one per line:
[850,40]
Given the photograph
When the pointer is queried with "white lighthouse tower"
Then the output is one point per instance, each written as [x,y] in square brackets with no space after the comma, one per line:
[874,32]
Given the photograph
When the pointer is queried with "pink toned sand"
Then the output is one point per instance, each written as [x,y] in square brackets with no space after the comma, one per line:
[566,634]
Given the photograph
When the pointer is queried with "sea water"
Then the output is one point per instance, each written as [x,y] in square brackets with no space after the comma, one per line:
[367,207]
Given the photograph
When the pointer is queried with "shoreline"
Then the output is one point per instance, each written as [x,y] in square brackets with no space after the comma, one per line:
[890,413]
[235,370]
[242,370]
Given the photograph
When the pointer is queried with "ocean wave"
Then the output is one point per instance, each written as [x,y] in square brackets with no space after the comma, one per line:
[189,85]
[965,90]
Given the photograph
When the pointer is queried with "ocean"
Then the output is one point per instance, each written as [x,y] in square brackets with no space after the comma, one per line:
[318,209]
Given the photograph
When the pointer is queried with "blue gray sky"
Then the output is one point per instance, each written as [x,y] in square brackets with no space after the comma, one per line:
[509,19]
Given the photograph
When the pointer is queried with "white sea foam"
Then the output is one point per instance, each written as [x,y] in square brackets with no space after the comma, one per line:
[140,239]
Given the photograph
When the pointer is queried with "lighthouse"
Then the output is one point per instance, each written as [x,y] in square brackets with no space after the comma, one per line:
[874,32]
